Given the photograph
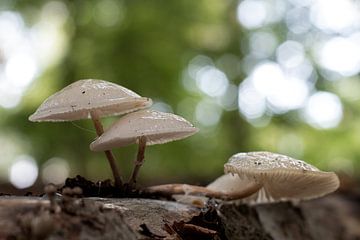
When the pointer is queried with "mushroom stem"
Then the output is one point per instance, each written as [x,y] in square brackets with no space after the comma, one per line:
[109,155]
[139,161]
[170,189]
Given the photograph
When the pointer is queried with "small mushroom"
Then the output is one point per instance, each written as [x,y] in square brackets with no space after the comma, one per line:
[91,98]
[263,177]
[281,177]
[226,187]
[146,127]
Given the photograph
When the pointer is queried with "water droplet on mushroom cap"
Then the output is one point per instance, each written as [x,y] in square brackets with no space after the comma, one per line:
[157,127]
[75,101]
[282,177]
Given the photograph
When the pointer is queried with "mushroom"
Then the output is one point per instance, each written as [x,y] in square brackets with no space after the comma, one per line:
[175,189]
[263,177]
[281,177]
[91,98]
[231,187]
[146,127]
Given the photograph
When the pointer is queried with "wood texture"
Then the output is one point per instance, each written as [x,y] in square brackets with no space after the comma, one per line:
[334,217]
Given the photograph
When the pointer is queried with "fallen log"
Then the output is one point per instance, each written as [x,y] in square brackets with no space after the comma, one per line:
[336,216]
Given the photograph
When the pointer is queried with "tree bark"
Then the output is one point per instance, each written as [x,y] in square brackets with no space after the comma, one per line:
[333,217]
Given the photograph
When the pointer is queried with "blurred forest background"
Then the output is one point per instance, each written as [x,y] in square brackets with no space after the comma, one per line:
[274,75]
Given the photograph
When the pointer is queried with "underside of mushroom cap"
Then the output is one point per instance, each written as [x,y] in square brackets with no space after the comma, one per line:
[75,101]
[229,183]
[156,127]
[282,177]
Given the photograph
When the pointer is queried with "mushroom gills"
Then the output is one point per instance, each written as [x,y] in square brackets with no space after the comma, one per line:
[282,177]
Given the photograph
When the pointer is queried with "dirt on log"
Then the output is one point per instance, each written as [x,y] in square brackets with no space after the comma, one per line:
[336,216]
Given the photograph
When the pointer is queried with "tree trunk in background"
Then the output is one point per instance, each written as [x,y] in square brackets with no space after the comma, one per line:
[334,217]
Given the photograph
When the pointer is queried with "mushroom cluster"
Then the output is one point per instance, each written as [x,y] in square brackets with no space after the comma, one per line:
[91,98]
[253,176]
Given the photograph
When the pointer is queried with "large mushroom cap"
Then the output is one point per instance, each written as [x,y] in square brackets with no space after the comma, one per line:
[75,101]
[157,127]
[282,177]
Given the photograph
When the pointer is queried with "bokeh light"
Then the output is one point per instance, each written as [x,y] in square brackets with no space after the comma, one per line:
[297,20]
[27,51]
[208,113]
[211,81]
[341,55]
[55,171]
[257,46]
[323,110]
[23,172]
[228,100]
[20,70]
[283,93]
[252,104]
[335,16]
[290,54]
[252,13]
[19,62]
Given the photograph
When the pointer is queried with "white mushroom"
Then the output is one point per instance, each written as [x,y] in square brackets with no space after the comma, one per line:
[281,177]
[146,127]
[91,98]
[261,177]
[214,190]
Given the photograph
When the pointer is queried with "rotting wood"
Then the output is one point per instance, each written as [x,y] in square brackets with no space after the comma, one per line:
[333,217]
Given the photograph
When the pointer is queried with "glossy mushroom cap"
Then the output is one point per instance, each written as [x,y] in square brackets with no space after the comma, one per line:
[282,177]
[75,101]
[157,127]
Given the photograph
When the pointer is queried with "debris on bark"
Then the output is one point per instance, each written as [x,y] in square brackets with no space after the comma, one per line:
[72,216]
[31,218]
[150,213]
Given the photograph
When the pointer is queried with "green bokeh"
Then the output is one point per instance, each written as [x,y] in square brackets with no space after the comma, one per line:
[147,50]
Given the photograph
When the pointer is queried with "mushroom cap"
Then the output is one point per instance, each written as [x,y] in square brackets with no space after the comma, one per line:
[282,177]
[75,101]
[157,127]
